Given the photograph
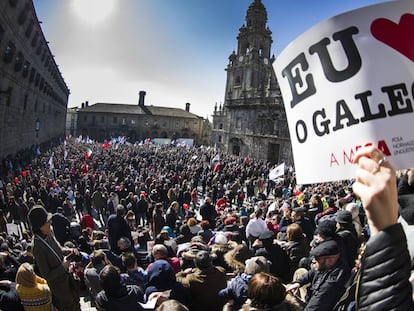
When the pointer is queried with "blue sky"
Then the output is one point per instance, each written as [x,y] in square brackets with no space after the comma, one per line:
[175,50]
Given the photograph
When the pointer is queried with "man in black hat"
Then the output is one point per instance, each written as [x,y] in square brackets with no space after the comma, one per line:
[327,278]
[280,266]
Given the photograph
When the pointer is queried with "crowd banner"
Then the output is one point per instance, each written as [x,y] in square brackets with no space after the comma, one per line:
[348,82]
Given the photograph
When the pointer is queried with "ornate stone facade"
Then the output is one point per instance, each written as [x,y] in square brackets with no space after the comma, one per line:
[33,94]
[252,120]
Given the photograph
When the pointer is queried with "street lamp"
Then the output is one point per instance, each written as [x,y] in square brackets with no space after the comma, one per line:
[37,127]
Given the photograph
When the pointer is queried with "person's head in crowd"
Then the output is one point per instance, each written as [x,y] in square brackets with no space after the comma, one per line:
[26,276]
[161,277]
[110,279]
[298,213]
[203,260]
[40,220]
[26,256]
[100,244]
[207,200]
[167,230]
[129,261]
[265,291]
[159,251]
[191,222]
[257,264]
[237,256]
[325,255]
[294,232]
[124,243]
[326,229]
[172,305]
[205,225]
[343,219]
[96,258]
[120,210]
[267,238]
[258,213]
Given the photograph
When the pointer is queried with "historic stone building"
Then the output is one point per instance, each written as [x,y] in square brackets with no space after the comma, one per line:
[33,94]
[102,121]
[252,120]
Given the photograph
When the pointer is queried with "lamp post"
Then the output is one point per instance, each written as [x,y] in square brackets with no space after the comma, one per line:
[37,127]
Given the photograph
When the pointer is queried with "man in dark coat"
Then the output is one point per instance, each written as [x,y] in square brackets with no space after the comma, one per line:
[61,226]
[208,212]
[118,228]
[327,278]
[276,255]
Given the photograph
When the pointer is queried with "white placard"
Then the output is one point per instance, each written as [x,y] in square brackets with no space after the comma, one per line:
[349,82]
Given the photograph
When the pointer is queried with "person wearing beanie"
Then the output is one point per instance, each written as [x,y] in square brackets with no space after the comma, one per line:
[238,287]
[53,260]
[204,282]
[34,293]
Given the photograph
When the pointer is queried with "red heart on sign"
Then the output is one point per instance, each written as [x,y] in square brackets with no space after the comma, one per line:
[398,36]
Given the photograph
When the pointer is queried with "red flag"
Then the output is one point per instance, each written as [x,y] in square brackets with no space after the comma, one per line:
[88,154]
[216,167]
[105,145]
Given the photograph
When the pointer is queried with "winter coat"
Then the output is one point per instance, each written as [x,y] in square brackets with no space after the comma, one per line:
[127,298]
[204,286]
[50,267]
[237,290]
[326,287]
[385,271]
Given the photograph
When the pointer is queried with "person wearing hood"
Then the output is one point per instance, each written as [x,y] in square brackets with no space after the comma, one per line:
[115,295]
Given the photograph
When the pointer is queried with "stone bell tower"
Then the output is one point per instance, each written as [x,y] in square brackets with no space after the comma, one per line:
[252,120]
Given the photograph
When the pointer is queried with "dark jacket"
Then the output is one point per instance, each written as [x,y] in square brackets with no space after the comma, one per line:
[385,271]
[127,298]
[280,261]
[117,228]
[326,287]
[204,286]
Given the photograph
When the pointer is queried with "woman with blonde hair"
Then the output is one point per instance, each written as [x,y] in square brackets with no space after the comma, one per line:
[34,292]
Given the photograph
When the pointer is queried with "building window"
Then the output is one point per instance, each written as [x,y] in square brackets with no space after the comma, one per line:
[25,102]
[1,32]
[18,61]
[9,52]
[44,108]
[29,28]
[237,81]
[35,106]
[26,67]
[34,40]
[102,119]
[238,123]
[221,126]
[85,118]
[115,120]
[37,79]
[32,75]
[124,122]
[219,139]
[93,120]
[133,122]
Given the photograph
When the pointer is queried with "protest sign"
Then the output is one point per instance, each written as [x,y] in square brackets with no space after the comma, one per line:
[348,82]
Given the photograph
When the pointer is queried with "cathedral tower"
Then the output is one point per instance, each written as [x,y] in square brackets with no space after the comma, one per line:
[252,120]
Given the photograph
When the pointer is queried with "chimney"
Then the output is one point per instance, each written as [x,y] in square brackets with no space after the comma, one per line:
[86,104]
[187,107]
[83,105]
[141,101]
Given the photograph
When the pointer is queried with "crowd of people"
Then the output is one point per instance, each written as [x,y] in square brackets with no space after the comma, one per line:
[151,227]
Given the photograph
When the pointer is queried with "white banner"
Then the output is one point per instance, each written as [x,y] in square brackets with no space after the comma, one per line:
[348,82]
